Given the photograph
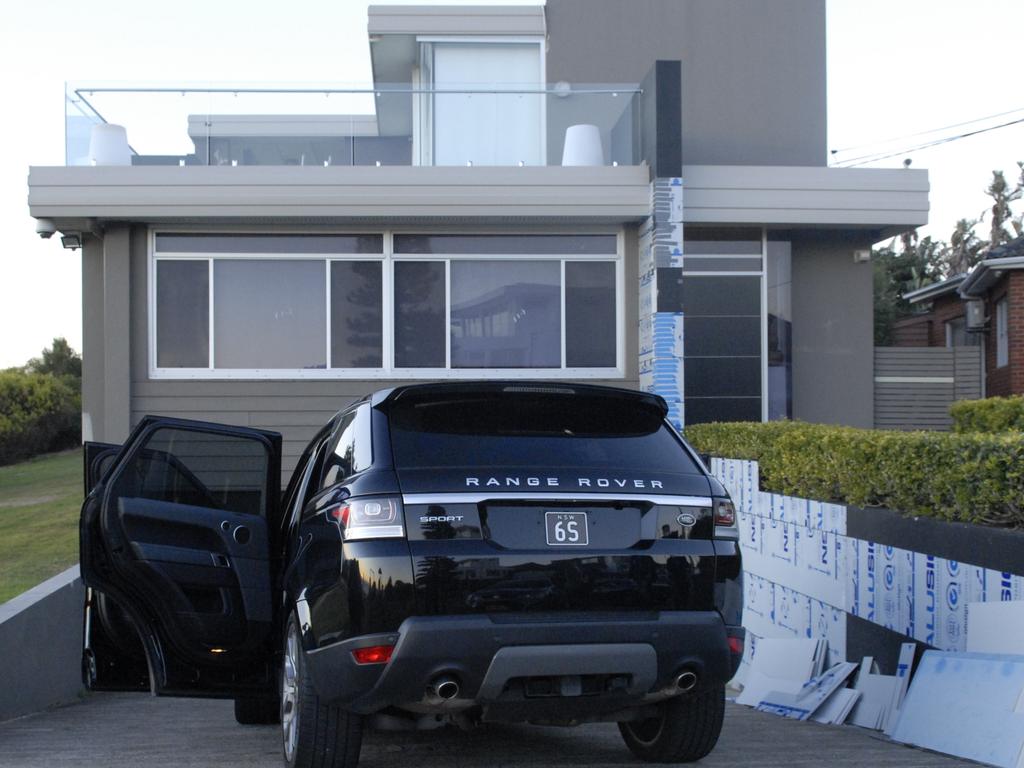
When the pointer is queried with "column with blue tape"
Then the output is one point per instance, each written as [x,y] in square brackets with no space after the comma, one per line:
[661,310]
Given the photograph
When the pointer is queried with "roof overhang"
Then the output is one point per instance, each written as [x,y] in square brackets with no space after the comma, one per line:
[884,201]
[935,290]
[986,274]
[879,202]
[455,20]
[393,31]
[72,196]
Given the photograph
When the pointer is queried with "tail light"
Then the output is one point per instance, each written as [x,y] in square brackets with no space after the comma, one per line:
[371,518]
[725,518]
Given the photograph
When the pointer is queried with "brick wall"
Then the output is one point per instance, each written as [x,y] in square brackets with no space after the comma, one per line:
[1008,380]
[944,309]
[928,329]
[1016,332]
[912,331]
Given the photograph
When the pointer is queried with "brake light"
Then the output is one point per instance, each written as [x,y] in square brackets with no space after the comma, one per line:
[735,645]
[371,518]
[725,519]
[375,654]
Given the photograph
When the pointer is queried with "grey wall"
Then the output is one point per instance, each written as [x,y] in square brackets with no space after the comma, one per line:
[105,347]
[753,72]
[295,408]
[41,646]
[833,330]
[92,339]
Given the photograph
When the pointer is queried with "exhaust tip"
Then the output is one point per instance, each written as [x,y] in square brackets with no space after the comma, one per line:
[445,688]
[686,681]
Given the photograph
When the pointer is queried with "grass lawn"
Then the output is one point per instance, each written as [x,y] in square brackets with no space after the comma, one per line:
[39,504]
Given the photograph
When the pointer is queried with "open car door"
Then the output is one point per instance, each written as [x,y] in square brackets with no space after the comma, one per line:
[178,551]
[97,459]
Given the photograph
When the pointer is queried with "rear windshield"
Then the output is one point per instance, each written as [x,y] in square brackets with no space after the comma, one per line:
[535,430]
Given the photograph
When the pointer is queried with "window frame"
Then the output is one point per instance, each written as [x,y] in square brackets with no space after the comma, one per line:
[387,258]
[1002,333]
[726,259]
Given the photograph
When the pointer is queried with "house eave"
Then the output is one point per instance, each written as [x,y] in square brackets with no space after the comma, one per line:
[935,290]
[986,274]
[455,20]
[883,201]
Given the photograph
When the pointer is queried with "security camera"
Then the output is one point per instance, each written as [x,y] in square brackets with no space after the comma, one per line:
[45,228]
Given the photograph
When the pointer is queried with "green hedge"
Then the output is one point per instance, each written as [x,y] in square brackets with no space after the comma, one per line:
[993,414]
[967,477]
[38,413]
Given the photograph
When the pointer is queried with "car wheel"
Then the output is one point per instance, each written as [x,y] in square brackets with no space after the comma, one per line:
[257,711]
[685,729]
[316,735]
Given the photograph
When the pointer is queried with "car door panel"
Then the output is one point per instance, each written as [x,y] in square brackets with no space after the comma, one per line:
[178,539]
[208,549]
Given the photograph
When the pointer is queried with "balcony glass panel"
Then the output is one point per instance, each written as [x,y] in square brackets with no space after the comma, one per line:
[459,120]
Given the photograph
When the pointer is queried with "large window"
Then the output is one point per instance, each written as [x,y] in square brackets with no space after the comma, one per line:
[376,305]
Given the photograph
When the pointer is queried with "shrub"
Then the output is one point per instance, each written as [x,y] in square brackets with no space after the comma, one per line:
[38,413]
[975,477]
[993,414]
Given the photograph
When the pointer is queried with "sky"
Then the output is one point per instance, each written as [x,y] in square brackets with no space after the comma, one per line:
[896,68]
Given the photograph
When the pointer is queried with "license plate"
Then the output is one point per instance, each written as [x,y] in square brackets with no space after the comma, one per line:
[566,529]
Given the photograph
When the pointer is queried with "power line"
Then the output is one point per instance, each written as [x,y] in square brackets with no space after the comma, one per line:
[865,159]
[925,133]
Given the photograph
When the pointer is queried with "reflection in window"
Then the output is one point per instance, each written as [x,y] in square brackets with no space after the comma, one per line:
[506,314]
[183,314]
[419,314]
[538,307]
[350,452]
[357,315]
[269,313]
[590,313]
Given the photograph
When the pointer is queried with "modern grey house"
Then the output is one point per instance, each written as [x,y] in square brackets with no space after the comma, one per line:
[627,193]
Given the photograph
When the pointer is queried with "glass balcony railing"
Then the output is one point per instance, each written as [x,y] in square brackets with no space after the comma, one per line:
[394,124]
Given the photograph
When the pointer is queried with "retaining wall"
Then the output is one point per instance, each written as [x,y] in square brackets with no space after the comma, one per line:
[41,646]
[866,580]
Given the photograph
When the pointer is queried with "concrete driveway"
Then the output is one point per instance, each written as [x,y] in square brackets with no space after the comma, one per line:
[133,730]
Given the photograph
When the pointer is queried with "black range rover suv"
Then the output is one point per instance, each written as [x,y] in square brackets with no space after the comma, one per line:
[461,552]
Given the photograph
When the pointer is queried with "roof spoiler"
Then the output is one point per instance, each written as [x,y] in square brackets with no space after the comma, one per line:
[446,389]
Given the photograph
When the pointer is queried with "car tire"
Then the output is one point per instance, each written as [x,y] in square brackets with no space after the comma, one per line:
[315,734]
[685,728]
[257,711]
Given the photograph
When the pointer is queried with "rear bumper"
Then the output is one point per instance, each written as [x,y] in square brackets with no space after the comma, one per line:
[628,656]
